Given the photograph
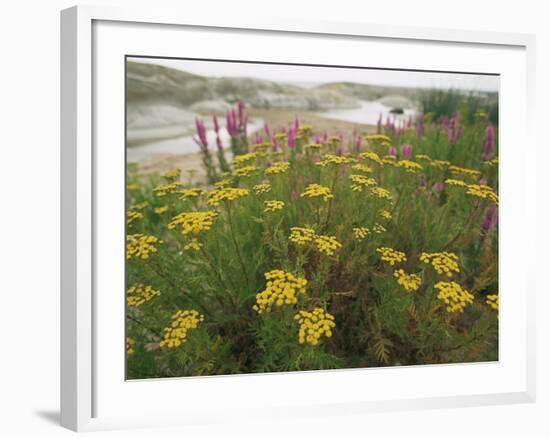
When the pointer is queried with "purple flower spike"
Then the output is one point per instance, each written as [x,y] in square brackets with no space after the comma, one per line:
[266,129]
[392,151]
[201,133]
[438,187]
[291,138]
[406,151]
[216,124]
[490,219]
[489,143]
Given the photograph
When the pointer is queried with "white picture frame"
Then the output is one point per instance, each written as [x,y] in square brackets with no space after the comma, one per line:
[83,374]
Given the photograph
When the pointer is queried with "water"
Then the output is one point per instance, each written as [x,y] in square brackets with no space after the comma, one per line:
[367,113]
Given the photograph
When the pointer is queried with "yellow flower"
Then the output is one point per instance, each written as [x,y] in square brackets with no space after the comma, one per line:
[455,182]
[172,175]
[182,323]
[226,194]
[327,244]
[240,160]
[333,160]
[187,193]
[359,182]
[273,205]
[362,167]
[424,158]
[372,156]
[132,216]
[410,282]
[161,210]
[386,215]
[361,233]
[382,140]
[464,171]
[444,263]
[378,228]
[301,236]
[140,246]
[439,163]
[381,193]
[277,168]
[129,346]
[164,190]
[261,188]
[138,294]
[132,187]
[193,222]
[140,206]
[316,190]
[194,244]
[244,171]
[223,183]
[313,325]
[391,256]
[314,146]
[483,192]
[409,166]
[282,288]
[454,296]
[492,301]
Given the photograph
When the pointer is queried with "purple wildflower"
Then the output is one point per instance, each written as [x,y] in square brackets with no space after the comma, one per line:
[406,151]
[489,143]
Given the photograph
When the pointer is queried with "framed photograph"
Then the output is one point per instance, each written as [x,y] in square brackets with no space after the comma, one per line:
[273,218]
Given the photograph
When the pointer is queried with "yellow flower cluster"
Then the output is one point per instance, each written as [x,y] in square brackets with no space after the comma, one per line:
[301,236]
[240,160]
[182,322]
[161,209]
[223,183]
[491,163]
[444,263]
[409,166]
[359,182]
[172,175]
[410,282]
[132,216]
[454,296]
[372,156]
[194,244]
[138,294]
[261,149]
[327,244]
[140,246]
[361,233]
[282,288]
[380,192]
[278,168]
[423,157]
[226,194]
[187,193]
[313,325]
[378,139]
[362,167]
[378,228]
[483,192]
[244,171]
[464,171]
[440,163]
[164,190]
[391,256]
[333,160]
[313,146]
[316,190]
[455,182]
[386,215]
[261,188]
[193,222]
[390,160]
[130,346]
[140,206]
[273,205]
[492,301]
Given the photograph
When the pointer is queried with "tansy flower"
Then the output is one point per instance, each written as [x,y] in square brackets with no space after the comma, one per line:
[187,193]
[455,182]
[391,256]
[378,228]
[223,183]
[483,192]
[193,222]
[313,325]
[301,236]
[492,301]
[327,160]
[454,296]
[161,209]
[444,263]
[132,216]
[423,158]
[409,166]
[277,168]
[140,246]
[182,323]
[273,205]
[245,171]
[240,160]
[359,182]
[410,282]
[439,163]
[172,175]
[194,244]
[130,346]
[362,167]
[316,190]
[386,215]
[372,156]
[164,190]
[282,288]
[464,171]
[140,206]
[361,233]
[327,244]
[138,294]
[313,146]
[382,140]
[261,188]
[226,194]
[381,193]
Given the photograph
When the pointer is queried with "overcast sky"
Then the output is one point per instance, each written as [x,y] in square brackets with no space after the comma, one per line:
[304,75]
